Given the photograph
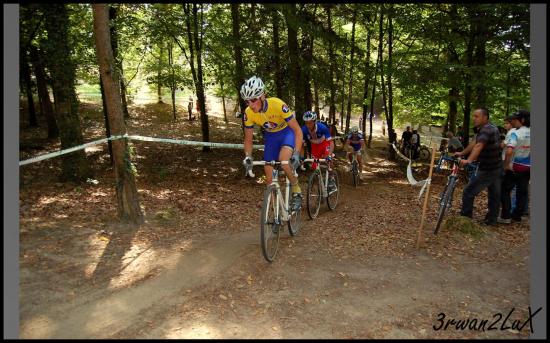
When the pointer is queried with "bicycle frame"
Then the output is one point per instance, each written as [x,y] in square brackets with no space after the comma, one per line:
[324,182]
[281,201]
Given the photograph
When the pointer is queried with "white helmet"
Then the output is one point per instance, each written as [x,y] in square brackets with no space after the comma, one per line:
[309,115]
[252,88]
[354,129]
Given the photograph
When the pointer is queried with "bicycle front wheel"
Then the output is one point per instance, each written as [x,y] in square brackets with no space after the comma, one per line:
[294,222]
[313,195]
[445,202]
[270,225]
[332,199]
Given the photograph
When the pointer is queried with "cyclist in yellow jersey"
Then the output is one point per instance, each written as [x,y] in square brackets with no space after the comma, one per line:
[283,135]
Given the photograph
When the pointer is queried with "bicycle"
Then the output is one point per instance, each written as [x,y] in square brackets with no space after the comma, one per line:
[275,210]
[355,169]
[446,196]
[317,187]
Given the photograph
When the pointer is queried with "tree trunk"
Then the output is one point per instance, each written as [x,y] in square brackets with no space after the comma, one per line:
[238,54]
[480,58]
[44,95]
[332,86]
[316,96]
[350,88]
[453,109]
[468,90]
[106,119]
[277,73]
[128,201]
[123,94]
[159,73]
[343,86]
[295,69]
[172,81]
[508,88]
[195,46]
[389,109]
[114,41]
[366,92]
[26,73]
[307,58]
[223,102]
[380,67]
[75,167]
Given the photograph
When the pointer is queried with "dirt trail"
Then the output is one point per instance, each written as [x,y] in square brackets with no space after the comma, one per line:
[222,288]
[195,269]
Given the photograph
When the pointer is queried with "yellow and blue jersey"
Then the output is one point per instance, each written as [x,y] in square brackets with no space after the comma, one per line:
[274,117]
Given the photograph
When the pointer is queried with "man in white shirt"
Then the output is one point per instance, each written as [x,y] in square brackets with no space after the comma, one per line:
[517,167]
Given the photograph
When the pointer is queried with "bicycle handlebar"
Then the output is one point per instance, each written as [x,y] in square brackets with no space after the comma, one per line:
[263,163]
[317,160]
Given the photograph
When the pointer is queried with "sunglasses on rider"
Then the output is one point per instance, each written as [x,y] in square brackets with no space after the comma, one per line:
[250,101]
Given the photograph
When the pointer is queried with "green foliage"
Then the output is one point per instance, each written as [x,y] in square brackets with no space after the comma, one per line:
[429,51]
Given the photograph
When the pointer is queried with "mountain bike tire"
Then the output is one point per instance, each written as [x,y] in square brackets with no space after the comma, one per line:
[332,198]
[445,202]
[270,224]
[313,200]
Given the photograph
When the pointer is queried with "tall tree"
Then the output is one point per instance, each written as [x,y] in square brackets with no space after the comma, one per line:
[332,61]
[113,11]
[172,78]
[26,73]
[367,76]
[389,110]
[350,87]
[277,72]
[343,94]
[195,34]
[127,196]
[61,66]
[293,48]
[238,55]
[159,72]
[106,120]
[44,96]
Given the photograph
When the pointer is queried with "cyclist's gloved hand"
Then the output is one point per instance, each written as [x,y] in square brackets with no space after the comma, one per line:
[295,160]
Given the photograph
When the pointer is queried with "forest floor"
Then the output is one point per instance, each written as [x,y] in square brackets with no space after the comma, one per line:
[194,269]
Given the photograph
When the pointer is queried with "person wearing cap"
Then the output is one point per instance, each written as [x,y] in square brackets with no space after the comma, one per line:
[517,167]
[282,133]
[486,151]
[355,143]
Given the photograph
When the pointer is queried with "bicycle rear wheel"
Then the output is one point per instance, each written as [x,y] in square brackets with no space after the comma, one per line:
[424,154]
[355,173]
[313,194]
[270,224]
[445,202]
[332,199]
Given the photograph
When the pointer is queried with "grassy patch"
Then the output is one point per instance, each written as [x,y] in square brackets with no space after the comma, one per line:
[464,225]
[165,216]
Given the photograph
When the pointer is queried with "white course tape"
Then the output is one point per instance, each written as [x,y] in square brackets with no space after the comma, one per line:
[67,151]
[134,137]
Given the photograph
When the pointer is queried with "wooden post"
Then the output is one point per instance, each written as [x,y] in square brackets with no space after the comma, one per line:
[425,200]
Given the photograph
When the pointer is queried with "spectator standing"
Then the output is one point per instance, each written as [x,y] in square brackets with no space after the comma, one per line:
[517,167]
[486,150]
